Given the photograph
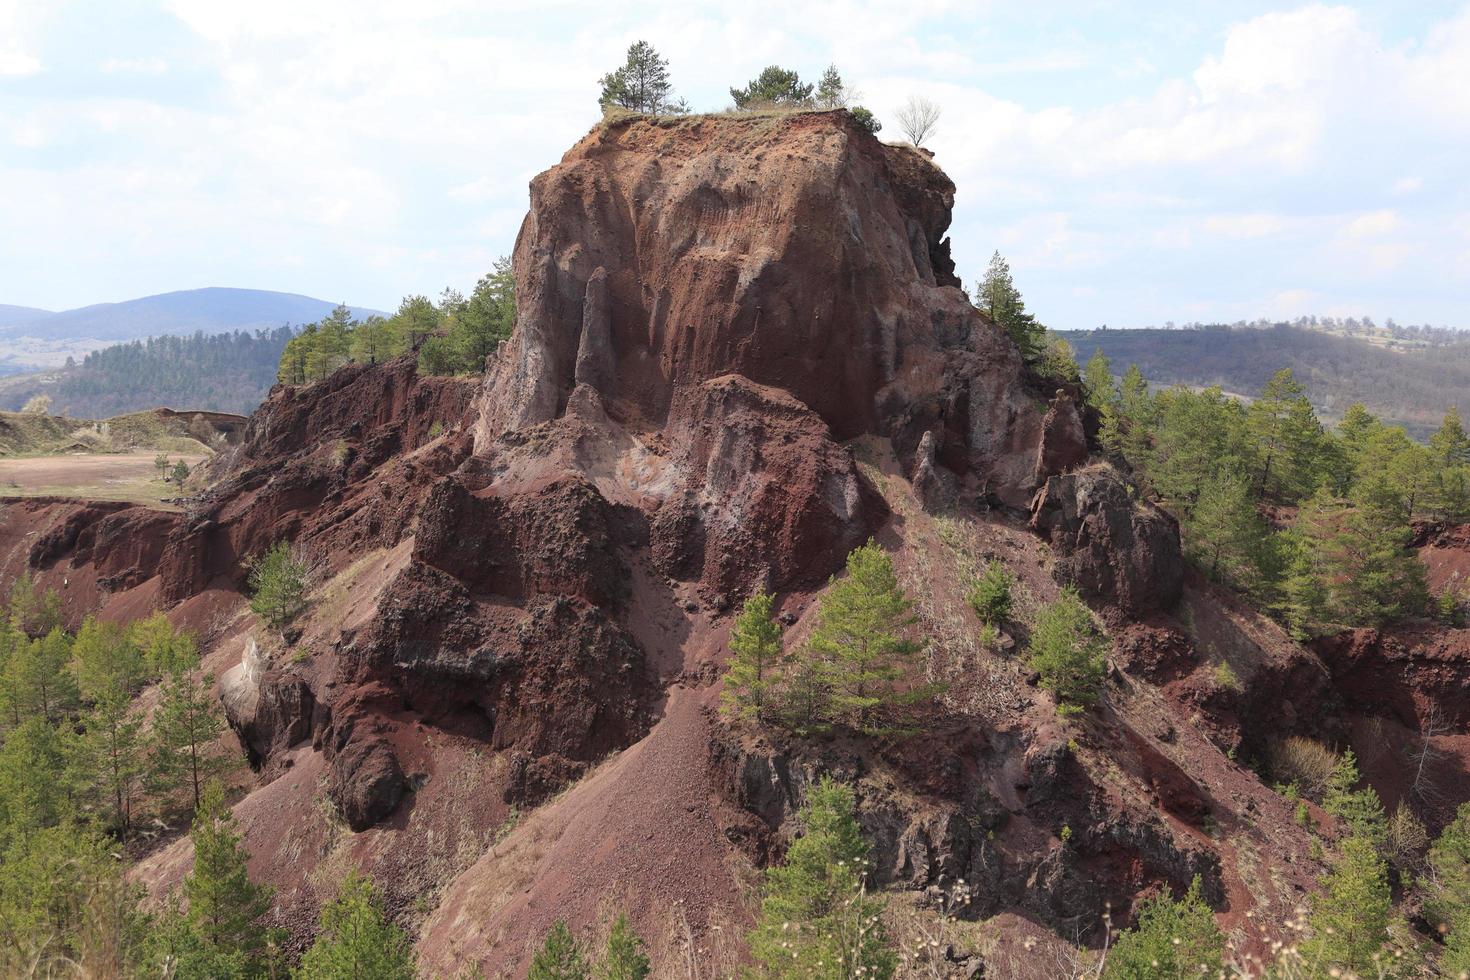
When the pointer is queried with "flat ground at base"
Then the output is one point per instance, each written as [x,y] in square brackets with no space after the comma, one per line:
[95,476]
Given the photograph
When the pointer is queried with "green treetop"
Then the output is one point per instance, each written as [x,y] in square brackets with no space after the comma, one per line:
[560,957]
[1350,918]
[1172,939]
[1286,435]
[755,642]
[1449,444]
[999,299]
[1068,652]
[774,86]
[278,586]
[817,919]
[225,906]
[623,958]
[355,941]
[859,636]
[641,83]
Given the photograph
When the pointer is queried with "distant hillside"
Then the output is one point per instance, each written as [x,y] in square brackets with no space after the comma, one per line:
[1407,385]
[229,372]
[30,433]
[21,314]
[213,310]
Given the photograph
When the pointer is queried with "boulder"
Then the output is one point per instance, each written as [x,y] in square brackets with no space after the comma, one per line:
[1114,550]
[366,782]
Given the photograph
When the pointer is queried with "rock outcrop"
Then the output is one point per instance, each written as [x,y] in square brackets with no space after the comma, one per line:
[1114,550]
[827,277]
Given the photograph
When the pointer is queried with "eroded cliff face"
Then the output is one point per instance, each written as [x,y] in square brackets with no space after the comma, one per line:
[797,253]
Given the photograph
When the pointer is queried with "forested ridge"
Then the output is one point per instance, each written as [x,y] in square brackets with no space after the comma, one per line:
[1407,380]
[226,372]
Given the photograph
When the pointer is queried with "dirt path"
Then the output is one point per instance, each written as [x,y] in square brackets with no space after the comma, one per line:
[94,476]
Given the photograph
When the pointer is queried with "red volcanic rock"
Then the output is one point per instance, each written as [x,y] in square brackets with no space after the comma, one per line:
[366,782]
[768,498]
[1407,672]
[1114,551]
[797,252]
[1063,445]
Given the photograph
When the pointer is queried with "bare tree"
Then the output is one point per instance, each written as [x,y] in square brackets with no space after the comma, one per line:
[1424,756]
[917,118]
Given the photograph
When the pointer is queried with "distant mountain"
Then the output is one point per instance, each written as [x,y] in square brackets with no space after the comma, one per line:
[213,310]
[1404,382]
[21,314]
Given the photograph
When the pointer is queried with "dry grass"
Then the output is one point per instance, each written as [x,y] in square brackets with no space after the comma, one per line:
[1307,763]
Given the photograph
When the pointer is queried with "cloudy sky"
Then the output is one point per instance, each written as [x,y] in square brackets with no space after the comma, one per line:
[1136,162]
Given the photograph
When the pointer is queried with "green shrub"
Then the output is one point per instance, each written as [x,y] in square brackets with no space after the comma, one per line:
[817,919]
[1172,939]
[1068,651]
[278,586]
[990,594]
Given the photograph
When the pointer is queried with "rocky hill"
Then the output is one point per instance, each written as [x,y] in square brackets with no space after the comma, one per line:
[740,352]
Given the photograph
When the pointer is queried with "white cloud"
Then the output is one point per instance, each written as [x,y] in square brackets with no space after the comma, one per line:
[1246,225]
[135,66]
[1407,185]
[1373,224]
[20,23]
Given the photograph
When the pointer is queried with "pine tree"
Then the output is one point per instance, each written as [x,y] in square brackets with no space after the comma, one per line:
[1068,652]
[1097,381]
[1449,860]
[560,956]
[1224,529]
[1128,431]
[1350,918]
[114,751]
[225,906]
[859,636]
[641,84]
[1286,434]
[1359,809]
[623,958]
[1000,300]
[488,317]
[40,680]
[32,611]
[189,717]
[831,91]
[107,662]
[1196,436]
[817,919]
[1450,444]
[1356,428]
[31,796]
[165,650]
[278,584]
[415,320]
[990,595]
[755,642]
[774,86]
[354,940]
[1447,905]
[1172,939]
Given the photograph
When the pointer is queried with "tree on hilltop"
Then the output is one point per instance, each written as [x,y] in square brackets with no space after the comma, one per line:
[641,84]
[774,86]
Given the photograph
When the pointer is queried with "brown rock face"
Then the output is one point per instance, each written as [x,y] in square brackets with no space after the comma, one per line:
[799,253]
[1114,551]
